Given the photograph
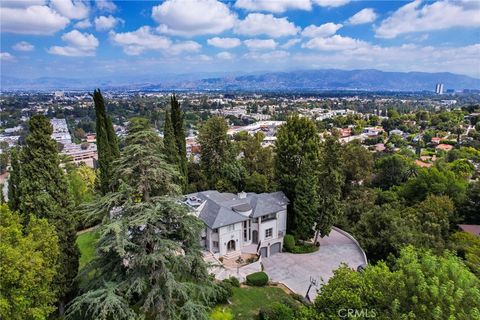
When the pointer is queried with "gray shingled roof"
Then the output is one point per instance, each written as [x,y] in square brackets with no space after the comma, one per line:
[218,210]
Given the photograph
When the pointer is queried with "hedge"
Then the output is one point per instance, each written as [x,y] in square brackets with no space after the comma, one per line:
[258,279]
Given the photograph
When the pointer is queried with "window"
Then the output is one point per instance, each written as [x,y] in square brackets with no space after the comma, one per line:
[215,231]
[268,217]
[215,244]
[268,233]
[245,235]
[255,220]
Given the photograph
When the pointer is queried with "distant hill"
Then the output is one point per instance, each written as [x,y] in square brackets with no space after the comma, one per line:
[304,80]
[369,80]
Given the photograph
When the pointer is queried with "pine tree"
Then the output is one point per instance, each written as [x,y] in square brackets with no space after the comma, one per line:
[179,132]
[43,192]
[107,143]
[148,261]
[14,181]
[331,181]
[169,143]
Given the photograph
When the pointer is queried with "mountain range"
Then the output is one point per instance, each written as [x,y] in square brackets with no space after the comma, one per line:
[302,80]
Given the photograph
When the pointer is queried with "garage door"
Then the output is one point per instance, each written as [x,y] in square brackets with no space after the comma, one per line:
[275,248]
[264,252]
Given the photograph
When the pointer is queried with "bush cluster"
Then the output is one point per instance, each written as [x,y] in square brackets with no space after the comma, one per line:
[258,279]
[290,245]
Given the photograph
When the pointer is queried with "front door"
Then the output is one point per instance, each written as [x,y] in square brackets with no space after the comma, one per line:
[231,245]
[254,236]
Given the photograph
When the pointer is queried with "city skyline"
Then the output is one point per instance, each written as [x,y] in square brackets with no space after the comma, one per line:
[145,38]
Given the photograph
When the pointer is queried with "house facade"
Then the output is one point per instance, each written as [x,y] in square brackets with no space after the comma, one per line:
[244,222]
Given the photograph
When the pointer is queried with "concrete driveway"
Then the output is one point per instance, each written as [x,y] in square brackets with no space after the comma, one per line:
[295,270]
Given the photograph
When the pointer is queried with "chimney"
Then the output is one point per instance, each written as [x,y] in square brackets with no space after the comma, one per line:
[242,195]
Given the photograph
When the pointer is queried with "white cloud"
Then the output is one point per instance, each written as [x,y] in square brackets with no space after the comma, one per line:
[72,9]
[36,20]
[277,6]
[21,4]
[136,42]
[257,44]
[141,40]
[325,30]
[268,56]
[224,55]
[185,46]
[366,15]
[104,23]
[23,46]
[5,56]
[106,5]
[439,15]
[78,45]
[224,43]
[257,24]
[189,18]
[83,24]
[290,43]
[331,3]
[334,43]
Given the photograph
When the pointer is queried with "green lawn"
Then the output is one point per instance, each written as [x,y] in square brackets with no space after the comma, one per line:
[86,244]
[246,301]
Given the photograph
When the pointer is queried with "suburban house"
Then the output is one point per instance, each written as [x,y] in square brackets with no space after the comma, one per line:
[240,223]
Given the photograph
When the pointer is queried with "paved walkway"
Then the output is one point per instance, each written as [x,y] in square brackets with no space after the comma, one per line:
[295,270]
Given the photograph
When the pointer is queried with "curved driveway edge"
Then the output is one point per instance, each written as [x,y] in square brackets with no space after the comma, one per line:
[295,270]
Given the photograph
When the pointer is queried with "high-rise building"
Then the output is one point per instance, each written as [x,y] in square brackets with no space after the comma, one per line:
[439,88]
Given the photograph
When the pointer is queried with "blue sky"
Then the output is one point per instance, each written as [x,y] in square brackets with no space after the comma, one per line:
[135,39]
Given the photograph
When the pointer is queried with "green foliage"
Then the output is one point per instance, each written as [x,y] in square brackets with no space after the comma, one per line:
[258,279]
[81,184]
[277,311]
[43,192]
[357,163]
[28,265]
[14,181]
[307,202]
[434,181]
[215,147]
[178,125]
[257,183]
[288,242]
[331,182]
[86,243]
[392,170]
[169,143]
[107,143]
[420,285]
[470,208]
[467,247]
[297,142]
[388,228]
[221,313]
[148,261]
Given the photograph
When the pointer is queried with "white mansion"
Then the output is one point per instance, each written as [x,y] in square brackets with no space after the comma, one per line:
[247,222]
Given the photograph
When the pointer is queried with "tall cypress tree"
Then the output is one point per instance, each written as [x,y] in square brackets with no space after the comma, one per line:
[107,143]
[179,132]
[43,192]
[331,181]
[14,181]
[169,143]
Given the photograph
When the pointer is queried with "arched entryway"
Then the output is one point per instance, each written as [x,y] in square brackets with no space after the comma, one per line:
[254,236]
[231,245]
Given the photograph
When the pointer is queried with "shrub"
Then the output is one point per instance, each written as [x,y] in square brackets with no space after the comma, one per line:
[221,313]
[233,282]
[258,279]
[277,311]
[288,242]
